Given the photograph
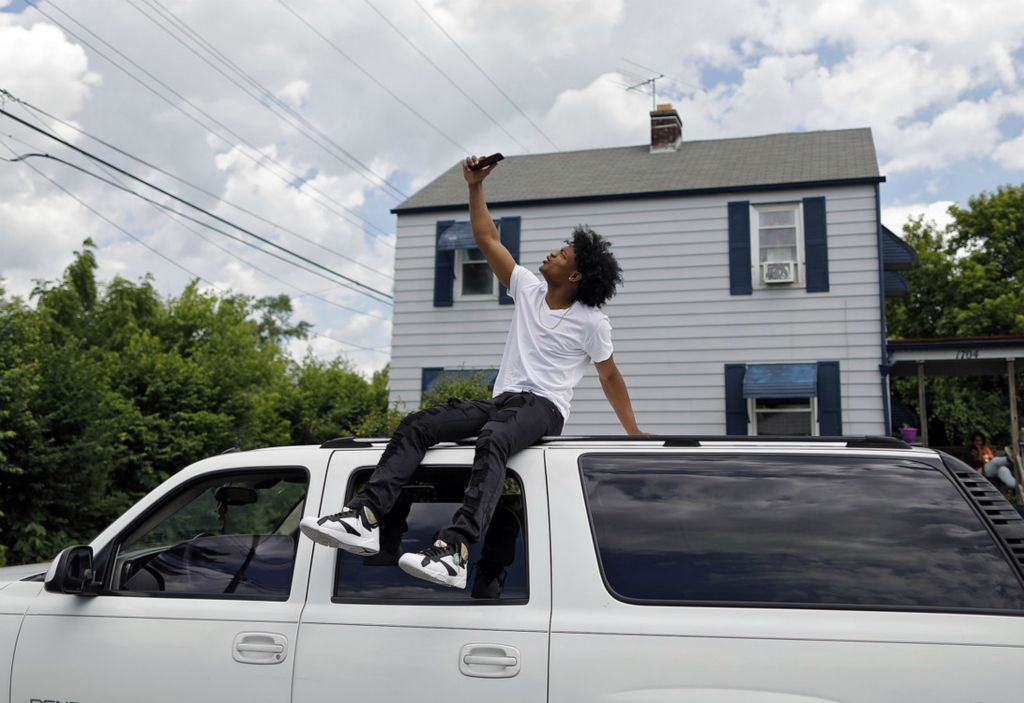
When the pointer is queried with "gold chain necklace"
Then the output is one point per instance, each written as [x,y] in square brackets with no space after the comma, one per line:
[540,314]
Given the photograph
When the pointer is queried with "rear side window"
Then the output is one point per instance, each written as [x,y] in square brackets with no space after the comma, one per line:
[794,531]
[497,564]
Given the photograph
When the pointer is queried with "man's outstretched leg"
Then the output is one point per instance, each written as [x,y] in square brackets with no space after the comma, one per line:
[521,419]
[356,528]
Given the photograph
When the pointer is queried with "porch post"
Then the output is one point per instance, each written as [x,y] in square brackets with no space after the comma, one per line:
[922,406]
[1011,372]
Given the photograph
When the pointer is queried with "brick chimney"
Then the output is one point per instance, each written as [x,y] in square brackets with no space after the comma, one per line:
[666,129]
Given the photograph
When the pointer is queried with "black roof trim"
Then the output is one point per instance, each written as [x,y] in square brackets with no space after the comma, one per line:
[855,442]
[643,195]
[351,442]
[974,342]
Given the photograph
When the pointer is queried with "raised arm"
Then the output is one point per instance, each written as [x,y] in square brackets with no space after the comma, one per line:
[484,232]
[614,387]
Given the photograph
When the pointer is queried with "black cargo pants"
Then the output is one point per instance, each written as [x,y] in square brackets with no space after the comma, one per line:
[503,425]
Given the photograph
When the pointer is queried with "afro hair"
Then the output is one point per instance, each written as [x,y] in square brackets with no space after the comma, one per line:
[595,261]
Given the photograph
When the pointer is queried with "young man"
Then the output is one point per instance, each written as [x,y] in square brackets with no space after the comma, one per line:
[556,330]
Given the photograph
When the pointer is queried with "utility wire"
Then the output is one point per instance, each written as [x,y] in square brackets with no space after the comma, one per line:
[26,106]
[174,263]
[484,73]
[359,286]
[168,212]
[108,220]
[445,75]
[369,75]
[297,181]
[263,94]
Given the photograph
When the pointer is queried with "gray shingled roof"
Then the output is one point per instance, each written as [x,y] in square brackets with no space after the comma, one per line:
[713,164]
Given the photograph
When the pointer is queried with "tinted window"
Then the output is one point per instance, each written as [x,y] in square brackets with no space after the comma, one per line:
[232,535]
[840,531]
[497,564]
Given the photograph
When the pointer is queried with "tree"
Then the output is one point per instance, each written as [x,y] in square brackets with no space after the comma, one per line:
[107,390]
[968,283]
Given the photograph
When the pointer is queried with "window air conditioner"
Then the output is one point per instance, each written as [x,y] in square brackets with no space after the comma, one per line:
[778,272]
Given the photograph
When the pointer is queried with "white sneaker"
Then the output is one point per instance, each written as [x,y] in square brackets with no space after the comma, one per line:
[349,530]
[440,563]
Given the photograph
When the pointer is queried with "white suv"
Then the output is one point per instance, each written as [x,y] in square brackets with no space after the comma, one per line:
[710,570]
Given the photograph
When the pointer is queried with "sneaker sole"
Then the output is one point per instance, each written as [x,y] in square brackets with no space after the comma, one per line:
[359,546]
[413,569]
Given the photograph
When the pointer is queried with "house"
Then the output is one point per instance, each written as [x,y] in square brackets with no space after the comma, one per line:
[755,270]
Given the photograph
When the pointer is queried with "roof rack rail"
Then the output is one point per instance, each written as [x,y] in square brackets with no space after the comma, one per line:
[854,442]
[351,442]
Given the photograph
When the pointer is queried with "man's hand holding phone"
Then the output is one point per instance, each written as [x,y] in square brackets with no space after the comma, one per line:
[476,168]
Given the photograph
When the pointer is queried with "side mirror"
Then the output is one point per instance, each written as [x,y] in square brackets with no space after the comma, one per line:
[71,572]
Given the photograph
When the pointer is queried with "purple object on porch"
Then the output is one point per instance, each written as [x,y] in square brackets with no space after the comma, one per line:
[909,434]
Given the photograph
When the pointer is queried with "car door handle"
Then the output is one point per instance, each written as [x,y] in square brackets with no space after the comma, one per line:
[489,661]
[260,648]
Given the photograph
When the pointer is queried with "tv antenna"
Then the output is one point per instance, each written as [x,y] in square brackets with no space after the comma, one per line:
[652,82]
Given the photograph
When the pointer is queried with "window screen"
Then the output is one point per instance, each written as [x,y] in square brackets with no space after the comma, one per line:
[796,531]
[497,564]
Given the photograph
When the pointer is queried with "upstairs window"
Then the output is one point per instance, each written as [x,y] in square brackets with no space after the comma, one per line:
[473,276]
[777,245]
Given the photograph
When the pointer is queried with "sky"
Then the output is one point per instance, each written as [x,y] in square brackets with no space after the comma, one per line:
[305,121]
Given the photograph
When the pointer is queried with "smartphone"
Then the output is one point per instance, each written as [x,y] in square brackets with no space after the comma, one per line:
[487,161]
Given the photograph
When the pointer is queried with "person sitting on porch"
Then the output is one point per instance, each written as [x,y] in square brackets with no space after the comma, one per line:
[985,462]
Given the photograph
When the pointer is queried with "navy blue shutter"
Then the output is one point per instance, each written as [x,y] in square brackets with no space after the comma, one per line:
[739,249]
[735,403]
[510,238]
[815,245]
[444,270]
[830,414]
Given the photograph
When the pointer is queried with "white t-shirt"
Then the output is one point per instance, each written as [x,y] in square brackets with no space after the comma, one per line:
[548,350]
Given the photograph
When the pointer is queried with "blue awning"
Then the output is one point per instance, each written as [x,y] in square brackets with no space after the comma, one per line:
[898,255]
[458,236]
[780,381]
[895,284]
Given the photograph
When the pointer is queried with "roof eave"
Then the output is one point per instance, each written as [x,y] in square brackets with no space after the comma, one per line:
[864,180]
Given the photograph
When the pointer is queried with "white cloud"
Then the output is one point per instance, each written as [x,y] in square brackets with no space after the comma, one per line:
[895,216]
[1010,154]
[39,64]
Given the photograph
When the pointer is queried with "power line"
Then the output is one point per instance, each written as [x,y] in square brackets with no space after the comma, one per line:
[109,221]
[369,75]
[484,73]
[29,106]
[292,117]
[365,289]
[168,212]
[302,185]
[174,263]
[445,75]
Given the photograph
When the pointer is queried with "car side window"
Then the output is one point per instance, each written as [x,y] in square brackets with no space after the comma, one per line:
[228,536]
[812,531]
[497,564]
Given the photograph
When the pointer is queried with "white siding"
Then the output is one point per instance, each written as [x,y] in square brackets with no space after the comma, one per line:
[675,323]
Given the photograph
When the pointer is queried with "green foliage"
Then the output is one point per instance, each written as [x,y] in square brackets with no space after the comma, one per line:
[471,387]
[968,284]
[106,390]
